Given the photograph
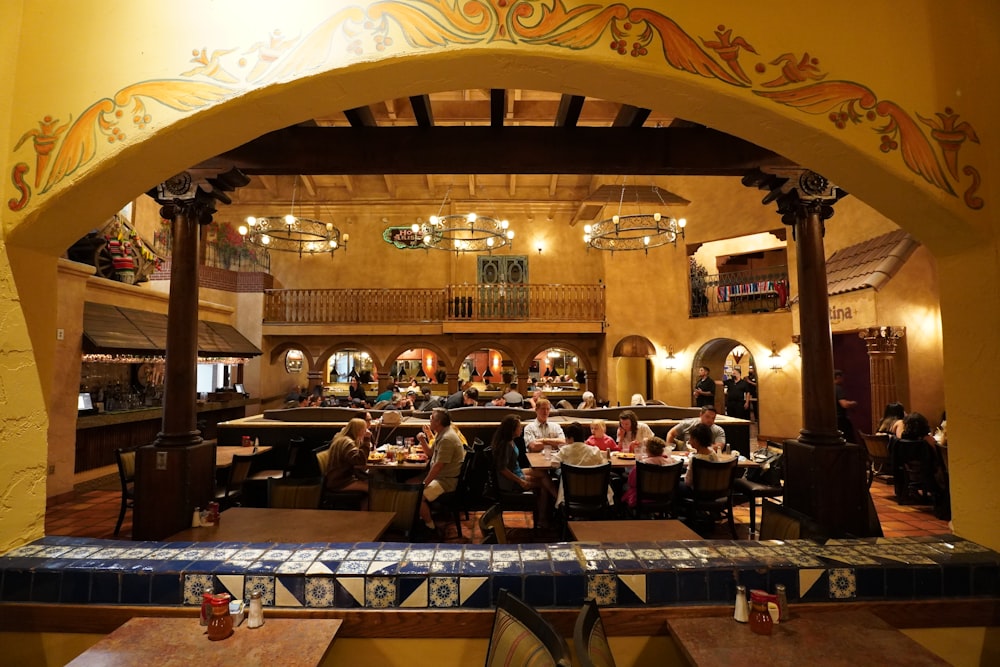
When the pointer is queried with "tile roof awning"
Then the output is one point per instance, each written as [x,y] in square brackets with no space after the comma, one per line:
[113,330]
[870,263]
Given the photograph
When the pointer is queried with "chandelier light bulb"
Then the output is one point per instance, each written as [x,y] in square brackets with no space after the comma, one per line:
[588,229]
[427,239]
[345,238]
[435,220]
[682,223]
[614,219]
[251,221]
[656,216]
[289,219]
[333,243]
[471,217]
[243,230]
[329,226]
[504,224]
[645,240]
[586,238]
[489,242]
[415,227]
[510,234]
[265,239]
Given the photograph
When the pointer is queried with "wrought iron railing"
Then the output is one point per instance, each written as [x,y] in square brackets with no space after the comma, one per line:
[739,292]
[451,303]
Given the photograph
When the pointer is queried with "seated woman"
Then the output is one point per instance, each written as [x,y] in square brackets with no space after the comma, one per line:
[892,420]
[589,401]
[631,433]
[511,478]
[599,437]
[912,458]
[654,455]
[700,439]
[348,455]
[637,399]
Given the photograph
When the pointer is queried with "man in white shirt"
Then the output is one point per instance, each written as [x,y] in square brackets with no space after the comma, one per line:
[678,435]
[541,432]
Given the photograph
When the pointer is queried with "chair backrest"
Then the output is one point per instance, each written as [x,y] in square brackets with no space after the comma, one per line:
[291,493]
[238,471]
[491,524]
[589,638]
[323,461]
[125,459]
[778,524]
[877,445]
[655,483]
[585,485]
[712,480]
[403,499]
[521,636]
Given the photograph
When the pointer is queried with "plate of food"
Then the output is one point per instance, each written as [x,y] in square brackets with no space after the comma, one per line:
[628,456]
[416,458]
[376,457]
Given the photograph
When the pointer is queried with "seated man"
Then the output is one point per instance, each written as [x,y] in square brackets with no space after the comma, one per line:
[513,397]
[459,399]
[680,433]
[427,401]
[445,461]
[540,431]
[700,438]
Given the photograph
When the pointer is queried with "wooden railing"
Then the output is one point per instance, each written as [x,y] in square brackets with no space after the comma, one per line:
[451,303]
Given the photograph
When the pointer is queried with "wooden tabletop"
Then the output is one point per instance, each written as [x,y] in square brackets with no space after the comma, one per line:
[254,524]
[831,639]
[224,455]
[537,460]
[181,642]
[653,530]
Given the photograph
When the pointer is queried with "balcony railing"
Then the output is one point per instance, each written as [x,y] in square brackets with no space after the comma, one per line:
[451,303]
[739,292]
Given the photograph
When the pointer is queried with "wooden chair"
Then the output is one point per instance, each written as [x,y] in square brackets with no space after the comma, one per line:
[521,636]
[656,488]
[514,501]
[230,493]
[125,460]
[878,456]
[766,485]
[491,525]
[589,639]
[403,499]
[291,493]
[456,502]
[287,456]
[778,524]
[712,491]
[335,500]
[585,491]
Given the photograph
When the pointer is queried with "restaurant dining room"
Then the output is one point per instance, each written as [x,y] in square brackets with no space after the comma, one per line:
[432,333]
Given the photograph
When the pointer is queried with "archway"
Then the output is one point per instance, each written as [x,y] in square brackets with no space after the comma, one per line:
[633,368]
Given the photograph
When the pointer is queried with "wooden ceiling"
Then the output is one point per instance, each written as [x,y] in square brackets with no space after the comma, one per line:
[558,153]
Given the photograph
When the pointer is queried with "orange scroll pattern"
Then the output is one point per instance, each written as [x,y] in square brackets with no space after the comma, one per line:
[395,27]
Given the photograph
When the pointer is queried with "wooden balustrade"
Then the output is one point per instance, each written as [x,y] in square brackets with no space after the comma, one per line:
[453,302]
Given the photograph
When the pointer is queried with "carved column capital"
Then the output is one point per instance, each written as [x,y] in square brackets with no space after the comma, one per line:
[882,340]
[799,193]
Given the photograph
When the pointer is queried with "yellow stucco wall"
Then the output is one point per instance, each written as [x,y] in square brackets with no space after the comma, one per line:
[942,67]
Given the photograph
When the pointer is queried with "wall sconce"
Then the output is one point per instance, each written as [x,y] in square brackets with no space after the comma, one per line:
[777,361]
[540,247]
[670,361]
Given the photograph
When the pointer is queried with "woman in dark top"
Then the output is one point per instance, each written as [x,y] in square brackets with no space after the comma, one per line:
[511,478]
[892,420]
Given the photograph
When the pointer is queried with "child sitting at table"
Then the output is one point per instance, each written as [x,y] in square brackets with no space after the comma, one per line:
[654,456]
[599,437]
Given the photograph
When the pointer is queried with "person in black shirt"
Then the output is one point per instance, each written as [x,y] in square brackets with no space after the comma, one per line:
[704,388]
[462,398]
[737,396]
[358,392]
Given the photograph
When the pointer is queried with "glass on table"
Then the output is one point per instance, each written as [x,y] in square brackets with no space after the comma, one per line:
[547,452]
[399,441]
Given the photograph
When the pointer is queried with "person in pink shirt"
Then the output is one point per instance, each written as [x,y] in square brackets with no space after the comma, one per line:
[599,437]
[654,456]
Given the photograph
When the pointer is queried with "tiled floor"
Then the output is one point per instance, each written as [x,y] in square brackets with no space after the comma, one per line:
[93,514]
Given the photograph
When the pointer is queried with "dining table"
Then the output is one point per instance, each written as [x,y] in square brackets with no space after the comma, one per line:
[224,454]
[180,642]
[262,524]
[631,530]
[539,460]
[829,638]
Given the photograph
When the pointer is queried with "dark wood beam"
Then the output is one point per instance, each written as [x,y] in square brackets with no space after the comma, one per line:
[422,113]
[361,117]
[630,116]
[570,107]
[498,106]
[510,150]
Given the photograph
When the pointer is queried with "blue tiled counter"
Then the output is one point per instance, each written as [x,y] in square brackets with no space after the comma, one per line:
[417,576]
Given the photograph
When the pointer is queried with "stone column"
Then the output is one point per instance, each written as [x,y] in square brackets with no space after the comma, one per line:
[882,343]
[824,476]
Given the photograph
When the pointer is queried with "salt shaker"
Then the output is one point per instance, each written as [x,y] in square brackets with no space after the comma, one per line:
[740,611]
[255,615]
[779,591]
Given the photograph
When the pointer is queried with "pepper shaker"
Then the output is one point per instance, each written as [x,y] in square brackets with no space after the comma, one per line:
[779,590]
[255,615]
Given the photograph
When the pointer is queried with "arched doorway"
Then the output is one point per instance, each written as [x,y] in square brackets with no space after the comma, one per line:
[633,368]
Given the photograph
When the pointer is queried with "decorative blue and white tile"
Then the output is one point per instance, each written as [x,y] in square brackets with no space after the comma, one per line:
[260,584]
[248,554]
[27,550]
[349,592]
[446,567]
[305,554]
[322,567]
[471,566]
[195,585]
[319,592]
[506,554]
[293,567]
[602,588]
[383,567]
[443,591]
[289,591]
[394,554]
[474,592]
[964,546]
[813,585]
[353,567]
[361,554]
[481,553]
[443,555]
[631,589]
[233,567]
[55,551]
[677,554]
[230,583]
[220,553]
[843,585]
[168,554]
[414,567]
[423,555]
[805,560]
[277,553]
[507,567]
[563,553]
[537,566]
[185,554]
[412,592]
[848,555]
[380,592]
[532,554]
[333,554]
[85,552]
[135,553]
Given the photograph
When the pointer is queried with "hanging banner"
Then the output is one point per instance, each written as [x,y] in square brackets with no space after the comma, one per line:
[403,238]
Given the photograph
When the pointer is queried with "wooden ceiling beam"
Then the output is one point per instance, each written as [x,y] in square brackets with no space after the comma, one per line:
[630,116]
[309,184]
[422,112]
[361,117]
[487,150]
[348,183]
[498,106]
[568,114]
[553,183]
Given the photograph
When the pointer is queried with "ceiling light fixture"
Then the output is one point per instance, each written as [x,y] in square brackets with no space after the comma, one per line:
[460,233]
[291,233]
[637,231]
